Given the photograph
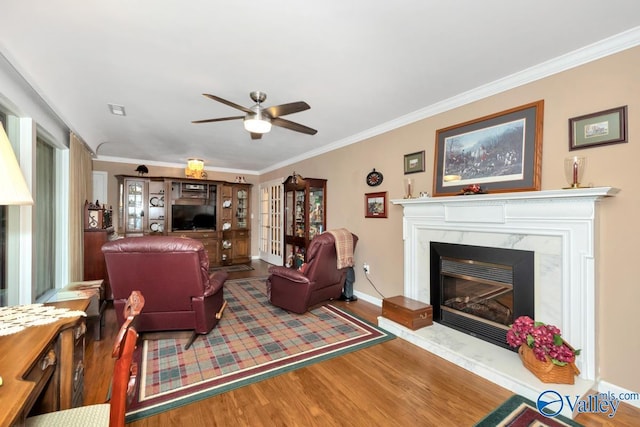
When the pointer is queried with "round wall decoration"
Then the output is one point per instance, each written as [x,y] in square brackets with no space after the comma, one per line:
[374,178]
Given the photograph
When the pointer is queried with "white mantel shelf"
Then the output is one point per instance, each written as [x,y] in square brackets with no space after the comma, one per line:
[590,192]
[559,226]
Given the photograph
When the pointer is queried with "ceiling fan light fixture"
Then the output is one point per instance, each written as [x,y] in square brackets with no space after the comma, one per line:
[257,123]
[258,120]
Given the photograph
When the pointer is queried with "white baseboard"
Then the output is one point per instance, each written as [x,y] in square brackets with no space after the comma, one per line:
[634,396]
[368,298]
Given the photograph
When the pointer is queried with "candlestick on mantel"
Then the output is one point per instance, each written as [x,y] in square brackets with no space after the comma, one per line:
[408,182]
[574,168]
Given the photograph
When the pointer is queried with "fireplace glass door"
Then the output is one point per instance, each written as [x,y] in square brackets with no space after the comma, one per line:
[481,290]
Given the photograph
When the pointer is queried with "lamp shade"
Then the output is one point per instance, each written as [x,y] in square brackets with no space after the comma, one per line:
[195,169]
[13,187]
[195,164]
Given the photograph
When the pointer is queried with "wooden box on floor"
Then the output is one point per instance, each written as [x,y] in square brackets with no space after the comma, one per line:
[407,312]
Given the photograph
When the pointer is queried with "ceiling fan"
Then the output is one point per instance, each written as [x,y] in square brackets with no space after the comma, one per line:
[258,119]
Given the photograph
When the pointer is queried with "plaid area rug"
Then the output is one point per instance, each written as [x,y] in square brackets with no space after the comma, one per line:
[518,411]
[253,341]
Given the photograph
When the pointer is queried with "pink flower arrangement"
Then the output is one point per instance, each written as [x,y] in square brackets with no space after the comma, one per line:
[545,340]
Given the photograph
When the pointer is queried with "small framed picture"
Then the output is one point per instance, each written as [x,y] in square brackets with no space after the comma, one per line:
[375,205]
[601,128]
[414,162]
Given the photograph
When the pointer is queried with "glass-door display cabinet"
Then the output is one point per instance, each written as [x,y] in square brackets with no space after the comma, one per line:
[304,216]
[132,205]
[242,207]
[240,250]
[236,234]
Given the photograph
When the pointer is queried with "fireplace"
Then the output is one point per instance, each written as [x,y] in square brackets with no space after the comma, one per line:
[558,226]
[480,290]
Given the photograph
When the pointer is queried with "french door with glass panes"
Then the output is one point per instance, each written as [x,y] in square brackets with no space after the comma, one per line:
[271,234]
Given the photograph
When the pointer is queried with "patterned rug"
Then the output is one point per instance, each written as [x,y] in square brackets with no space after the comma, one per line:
[253,341]
[518,411]
[232,268]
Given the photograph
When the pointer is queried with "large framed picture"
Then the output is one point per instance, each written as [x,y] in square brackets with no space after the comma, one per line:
[601,128]
[375,205]
[501,152]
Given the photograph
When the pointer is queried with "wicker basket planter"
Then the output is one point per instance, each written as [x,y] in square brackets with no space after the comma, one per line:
[547,371]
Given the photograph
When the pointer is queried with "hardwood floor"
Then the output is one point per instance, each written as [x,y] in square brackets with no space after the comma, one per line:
[393,383]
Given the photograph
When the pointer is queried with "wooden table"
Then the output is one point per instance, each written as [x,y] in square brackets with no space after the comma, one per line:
[93,290]
[21,358]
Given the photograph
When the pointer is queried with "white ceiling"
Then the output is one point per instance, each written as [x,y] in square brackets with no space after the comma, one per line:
[362,65]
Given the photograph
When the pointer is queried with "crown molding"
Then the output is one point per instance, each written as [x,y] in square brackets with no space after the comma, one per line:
[170,165]
[603,48]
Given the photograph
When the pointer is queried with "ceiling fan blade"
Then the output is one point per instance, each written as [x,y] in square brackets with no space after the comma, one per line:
[284,109]
[256,135]
[229,103]
[293,126]
[221,119]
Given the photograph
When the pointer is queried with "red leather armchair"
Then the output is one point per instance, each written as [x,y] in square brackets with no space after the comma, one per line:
[321,280]
[173,275]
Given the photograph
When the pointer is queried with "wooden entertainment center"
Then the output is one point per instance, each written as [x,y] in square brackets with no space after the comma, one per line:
[214,212]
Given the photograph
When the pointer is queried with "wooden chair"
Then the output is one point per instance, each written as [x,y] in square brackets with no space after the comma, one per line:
[122,384]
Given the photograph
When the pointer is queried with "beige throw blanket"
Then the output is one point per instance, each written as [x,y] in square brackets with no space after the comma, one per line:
[344,247]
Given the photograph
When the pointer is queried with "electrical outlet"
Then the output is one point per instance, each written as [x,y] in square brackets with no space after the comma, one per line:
[365,266]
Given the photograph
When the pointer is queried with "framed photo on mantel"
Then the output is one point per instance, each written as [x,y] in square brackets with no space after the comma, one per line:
[501,152]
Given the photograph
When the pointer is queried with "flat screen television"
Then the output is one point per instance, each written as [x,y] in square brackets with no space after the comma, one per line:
[193,217]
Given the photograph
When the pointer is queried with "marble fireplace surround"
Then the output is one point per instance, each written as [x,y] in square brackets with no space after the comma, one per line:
[560,226]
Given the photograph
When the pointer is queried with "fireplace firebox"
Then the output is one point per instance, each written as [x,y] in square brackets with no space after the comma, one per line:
[481,290]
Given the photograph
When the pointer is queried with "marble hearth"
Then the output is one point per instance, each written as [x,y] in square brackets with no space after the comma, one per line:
[559,226]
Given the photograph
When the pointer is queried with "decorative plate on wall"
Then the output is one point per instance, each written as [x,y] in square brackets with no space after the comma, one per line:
[374,178]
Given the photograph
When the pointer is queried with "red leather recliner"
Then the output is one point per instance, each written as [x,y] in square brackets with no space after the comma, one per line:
[173,275]
[321,280]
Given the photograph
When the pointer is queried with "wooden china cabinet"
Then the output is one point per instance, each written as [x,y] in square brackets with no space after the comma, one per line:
[304,216]
[217,213]
[236,234]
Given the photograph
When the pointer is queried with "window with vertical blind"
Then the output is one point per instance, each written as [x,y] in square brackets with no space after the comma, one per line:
[45,219]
